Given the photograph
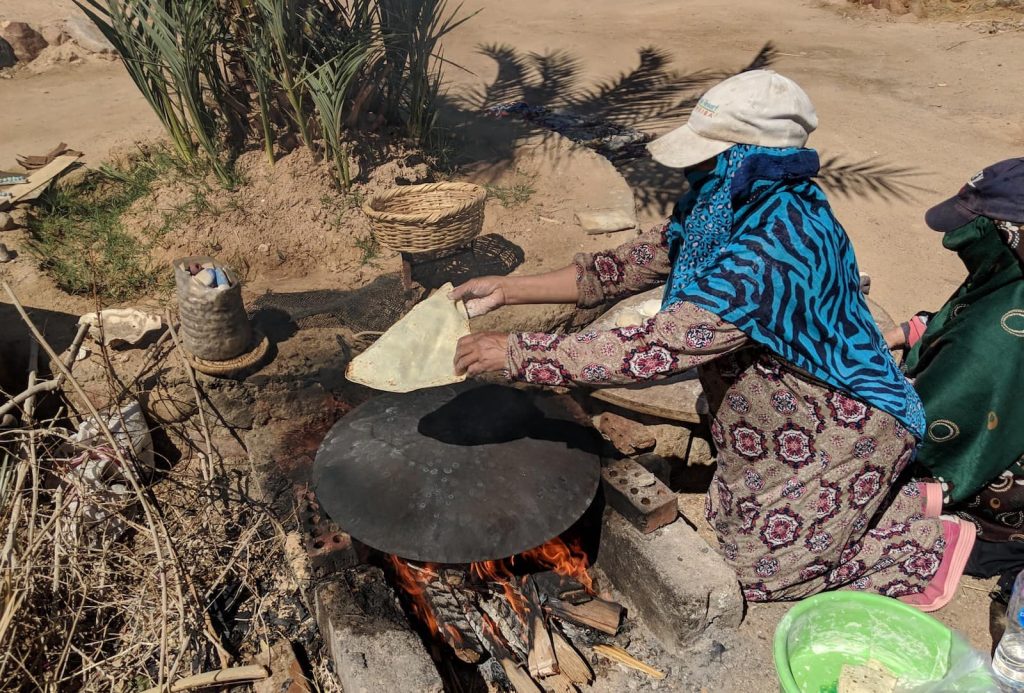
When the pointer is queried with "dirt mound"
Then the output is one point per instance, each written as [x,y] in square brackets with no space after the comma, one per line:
[283,220]
[951,9]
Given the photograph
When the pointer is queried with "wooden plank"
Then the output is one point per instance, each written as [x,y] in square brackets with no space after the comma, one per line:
[541,659]
[39,178]
[598,614]
[616,653]
[674,400]
[570,662]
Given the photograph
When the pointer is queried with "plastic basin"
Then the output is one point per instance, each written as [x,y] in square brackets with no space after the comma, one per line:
[822,633]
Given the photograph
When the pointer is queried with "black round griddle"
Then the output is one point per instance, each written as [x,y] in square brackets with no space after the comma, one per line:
[457,474]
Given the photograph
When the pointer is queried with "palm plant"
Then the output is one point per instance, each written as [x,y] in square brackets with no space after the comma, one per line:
[168,51]
[329,87]
[221,73]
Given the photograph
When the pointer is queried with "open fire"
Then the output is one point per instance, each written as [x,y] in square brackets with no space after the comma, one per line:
[510,609]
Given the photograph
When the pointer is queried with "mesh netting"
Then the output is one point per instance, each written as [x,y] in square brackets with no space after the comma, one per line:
[381,303]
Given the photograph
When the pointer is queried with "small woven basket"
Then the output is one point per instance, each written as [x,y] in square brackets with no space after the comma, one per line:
[427,218]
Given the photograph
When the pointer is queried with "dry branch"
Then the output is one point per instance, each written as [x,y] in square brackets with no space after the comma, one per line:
[252,672]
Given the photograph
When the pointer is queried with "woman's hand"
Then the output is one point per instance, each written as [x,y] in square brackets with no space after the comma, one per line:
[483,352]
[481,295]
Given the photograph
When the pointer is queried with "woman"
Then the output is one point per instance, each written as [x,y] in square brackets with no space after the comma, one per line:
[965,360]
[811,417]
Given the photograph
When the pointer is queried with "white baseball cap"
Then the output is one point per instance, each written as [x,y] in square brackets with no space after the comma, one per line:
[758,107]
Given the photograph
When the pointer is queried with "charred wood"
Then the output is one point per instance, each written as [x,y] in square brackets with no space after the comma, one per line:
[598,613]
[454,612]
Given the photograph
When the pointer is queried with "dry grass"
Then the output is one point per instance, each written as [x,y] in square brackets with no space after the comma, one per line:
[135,578]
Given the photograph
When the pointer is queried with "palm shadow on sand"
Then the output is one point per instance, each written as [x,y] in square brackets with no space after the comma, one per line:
[651,98]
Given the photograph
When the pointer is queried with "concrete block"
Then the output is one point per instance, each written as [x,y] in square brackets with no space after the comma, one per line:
[370,640]
[638,495]
[676,582]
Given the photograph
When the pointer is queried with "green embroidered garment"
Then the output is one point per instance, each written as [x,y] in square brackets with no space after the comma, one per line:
[968,367]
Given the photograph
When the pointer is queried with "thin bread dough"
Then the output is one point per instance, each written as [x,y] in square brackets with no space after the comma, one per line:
[418,351]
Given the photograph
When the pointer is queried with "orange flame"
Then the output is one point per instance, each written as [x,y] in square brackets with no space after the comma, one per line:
[499,572]
[564,560]
[556,555]
[414,585]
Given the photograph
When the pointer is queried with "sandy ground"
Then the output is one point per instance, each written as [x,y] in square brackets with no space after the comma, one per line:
[936,100]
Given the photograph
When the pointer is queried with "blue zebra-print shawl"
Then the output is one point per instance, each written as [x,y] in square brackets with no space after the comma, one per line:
[755,242]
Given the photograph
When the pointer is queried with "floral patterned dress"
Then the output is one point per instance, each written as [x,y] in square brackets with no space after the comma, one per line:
[803,498]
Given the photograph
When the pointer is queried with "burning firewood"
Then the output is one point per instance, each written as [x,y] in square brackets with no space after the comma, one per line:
[597,613]
[541,659]
[453,610]
[551,585]
[571,663]
[511,627]
[517,676]
[558,683]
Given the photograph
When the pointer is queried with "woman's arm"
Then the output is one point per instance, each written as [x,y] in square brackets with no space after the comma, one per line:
[631,268]
[675,340]
[592,279]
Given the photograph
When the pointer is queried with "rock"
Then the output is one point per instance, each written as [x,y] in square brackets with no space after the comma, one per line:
[5,254]
[65,54]
[606,220]
[676,582]
[54,33]
[629,437]
[73,177]
[87,35]
[6,222]
[26,41]
[20,217]
[170,405]
[7,56]
[368,637]
[233,404]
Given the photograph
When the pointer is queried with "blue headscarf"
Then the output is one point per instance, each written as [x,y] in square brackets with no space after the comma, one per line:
[755,242]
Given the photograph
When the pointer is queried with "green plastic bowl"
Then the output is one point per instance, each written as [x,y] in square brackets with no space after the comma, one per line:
[822,633]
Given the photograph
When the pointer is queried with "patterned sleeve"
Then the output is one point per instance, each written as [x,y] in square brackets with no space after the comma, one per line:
[675,340]
[641,264]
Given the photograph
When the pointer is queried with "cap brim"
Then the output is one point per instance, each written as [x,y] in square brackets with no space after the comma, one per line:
[683,147]
[949,216]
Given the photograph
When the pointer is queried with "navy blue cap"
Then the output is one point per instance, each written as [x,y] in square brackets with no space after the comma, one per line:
[997,193]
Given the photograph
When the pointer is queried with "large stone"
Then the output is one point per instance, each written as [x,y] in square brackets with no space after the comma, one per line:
[7,56]
[26,41]
[87,35]
[368,637]
[674,580]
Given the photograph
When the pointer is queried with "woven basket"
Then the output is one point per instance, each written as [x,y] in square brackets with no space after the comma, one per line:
[426,218]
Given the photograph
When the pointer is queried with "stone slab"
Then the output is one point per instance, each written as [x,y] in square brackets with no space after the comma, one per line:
[676,582]
[369,638]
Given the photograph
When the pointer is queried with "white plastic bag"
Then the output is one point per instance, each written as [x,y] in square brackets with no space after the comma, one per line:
[970,671]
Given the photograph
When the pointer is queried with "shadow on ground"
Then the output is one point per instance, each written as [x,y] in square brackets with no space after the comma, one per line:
[635,104]
[382,302]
